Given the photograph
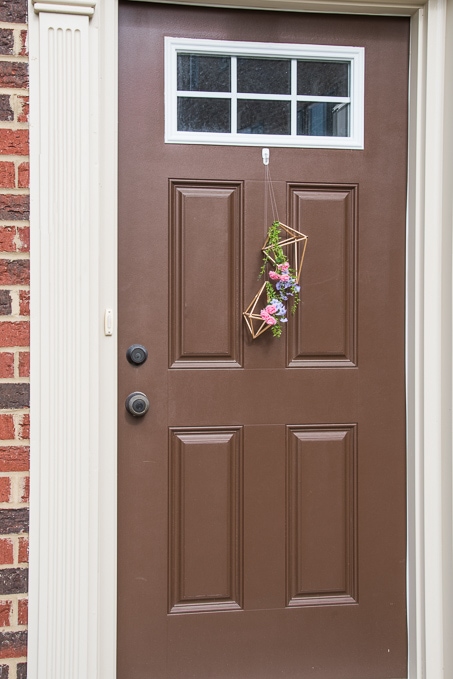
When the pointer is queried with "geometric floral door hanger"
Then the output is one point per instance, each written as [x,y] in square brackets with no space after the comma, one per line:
[283,257]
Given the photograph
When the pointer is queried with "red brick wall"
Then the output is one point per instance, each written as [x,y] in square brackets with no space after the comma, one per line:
[14,338]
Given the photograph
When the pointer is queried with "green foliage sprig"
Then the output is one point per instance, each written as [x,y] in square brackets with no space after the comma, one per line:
[282,283]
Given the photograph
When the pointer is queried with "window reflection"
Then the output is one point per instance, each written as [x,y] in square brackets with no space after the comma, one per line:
[322,119]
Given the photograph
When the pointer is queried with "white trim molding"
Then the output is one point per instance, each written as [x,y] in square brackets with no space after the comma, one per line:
[73,68]
[76,7]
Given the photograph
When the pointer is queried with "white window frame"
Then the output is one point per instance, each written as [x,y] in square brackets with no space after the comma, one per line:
[354,55]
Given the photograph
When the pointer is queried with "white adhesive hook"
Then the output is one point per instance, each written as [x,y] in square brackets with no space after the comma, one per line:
[265,154]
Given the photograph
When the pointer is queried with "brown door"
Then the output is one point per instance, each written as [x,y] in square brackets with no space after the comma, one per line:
[262,497]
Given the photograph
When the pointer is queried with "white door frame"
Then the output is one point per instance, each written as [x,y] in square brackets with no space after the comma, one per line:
[73,69]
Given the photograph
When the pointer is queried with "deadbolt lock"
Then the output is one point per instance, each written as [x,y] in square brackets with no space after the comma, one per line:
[136,354]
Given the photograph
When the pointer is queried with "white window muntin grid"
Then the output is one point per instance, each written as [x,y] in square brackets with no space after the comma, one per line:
[295,52]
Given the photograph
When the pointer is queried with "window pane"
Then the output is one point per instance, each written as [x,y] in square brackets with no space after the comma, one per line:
[204,115]
[323,78]
[204,74]
[264,117]
[264,76]
[321,119]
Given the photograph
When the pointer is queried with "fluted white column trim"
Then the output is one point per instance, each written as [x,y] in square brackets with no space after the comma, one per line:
[69,350]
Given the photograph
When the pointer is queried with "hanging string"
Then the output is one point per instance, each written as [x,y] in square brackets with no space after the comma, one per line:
[266,197]
[269,194]
[270,188]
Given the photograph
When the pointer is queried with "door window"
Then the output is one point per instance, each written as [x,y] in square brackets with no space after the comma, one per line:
[220,92]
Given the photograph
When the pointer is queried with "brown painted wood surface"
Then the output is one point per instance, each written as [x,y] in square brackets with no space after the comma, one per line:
[262,498]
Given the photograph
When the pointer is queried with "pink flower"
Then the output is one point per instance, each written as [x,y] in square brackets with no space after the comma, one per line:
[284,266]
[271,309]
[284,277]
[270,320]
[273,275]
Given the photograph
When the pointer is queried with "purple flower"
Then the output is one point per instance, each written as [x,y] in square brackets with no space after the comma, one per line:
[280,308]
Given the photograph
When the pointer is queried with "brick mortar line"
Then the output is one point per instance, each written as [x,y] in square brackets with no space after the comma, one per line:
[10,24]
[14,192]
[15,536]
[13,125]
[15,443]
[14,318]
[17,160]
[5,254]
[13,597]
[15,222]
[21,91]
[12,158]
[15,58]
[16,475]
[10,350]
[15,286]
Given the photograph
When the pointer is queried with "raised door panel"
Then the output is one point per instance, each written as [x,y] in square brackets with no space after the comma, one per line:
[206,274]
[324,333]
[322,515]
[205,520]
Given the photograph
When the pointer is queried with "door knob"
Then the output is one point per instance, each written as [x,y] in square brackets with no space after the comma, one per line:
[137,404]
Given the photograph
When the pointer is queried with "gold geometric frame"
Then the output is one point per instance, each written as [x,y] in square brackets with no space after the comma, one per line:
[255,323]
[297,241]
[294,247]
